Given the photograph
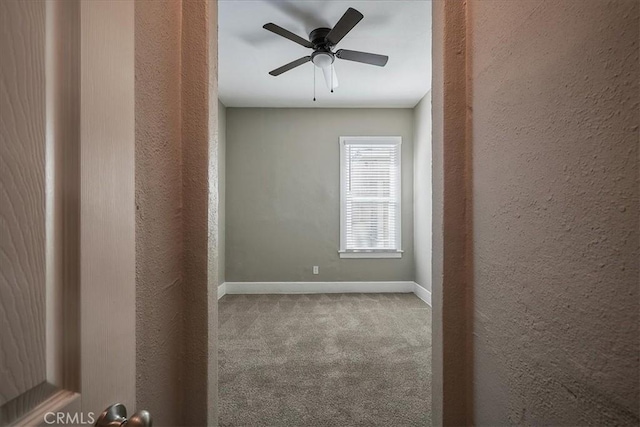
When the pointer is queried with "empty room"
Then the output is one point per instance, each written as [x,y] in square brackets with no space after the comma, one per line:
[324,310]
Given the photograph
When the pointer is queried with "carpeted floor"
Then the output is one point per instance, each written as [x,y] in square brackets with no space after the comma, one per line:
[324,360]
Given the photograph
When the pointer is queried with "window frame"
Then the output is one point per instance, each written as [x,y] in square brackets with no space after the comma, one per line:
[369,253]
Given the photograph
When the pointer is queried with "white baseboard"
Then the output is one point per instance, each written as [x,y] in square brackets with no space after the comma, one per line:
[222,290]
[235,288]
[422,293]
[316,287]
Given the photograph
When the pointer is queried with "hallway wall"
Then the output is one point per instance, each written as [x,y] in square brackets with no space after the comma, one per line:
[283,193]
[176,222]
[159,226]
[422,197]
[555,211]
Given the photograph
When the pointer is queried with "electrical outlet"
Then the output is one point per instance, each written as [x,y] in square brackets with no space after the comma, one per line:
[316,269]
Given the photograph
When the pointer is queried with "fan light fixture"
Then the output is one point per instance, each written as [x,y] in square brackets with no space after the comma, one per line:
[324,61]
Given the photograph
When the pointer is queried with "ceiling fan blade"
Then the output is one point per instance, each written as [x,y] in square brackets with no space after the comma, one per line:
[349,20]
[290,66]
[330,77]
[287,34]
[364,57]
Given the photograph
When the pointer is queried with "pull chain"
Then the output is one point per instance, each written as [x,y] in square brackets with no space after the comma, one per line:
[331,77]
[314,83]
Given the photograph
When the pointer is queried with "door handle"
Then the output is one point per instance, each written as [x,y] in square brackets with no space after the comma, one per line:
[116,416]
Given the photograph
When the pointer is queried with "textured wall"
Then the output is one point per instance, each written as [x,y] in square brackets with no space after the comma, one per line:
[199,223]
[159,248]
[283,193]
[555,212]
[173,135]
[450,222]
[222,170]
[422,196]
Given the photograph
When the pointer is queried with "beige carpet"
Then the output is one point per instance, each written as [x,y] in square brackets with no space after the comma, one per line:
[324,360]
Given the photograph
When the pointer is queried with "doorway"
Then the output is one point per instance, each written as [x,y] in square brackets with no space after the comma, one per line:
[301,324]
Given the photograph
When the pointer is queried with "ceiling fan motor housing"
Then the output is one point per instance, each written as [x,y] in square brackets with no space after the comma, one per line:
[318,38]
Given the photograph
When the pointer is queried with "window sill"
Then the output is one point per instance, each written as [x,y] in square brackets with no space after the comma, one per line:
[364,254]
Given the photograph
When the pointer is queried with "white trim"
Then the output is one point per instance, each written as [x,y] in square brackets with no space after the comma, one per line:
[372,139]
[232,288]
[344,140]
[422,293]
[343,209]
[398,140]
[316,287]
[364,254]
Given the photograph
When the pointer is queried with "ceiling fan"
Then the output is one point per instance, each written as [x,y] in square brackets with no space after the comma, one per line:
[322,41]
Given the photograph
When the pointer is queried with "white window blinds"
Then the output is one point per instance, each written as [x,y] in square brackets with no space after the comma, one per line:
[370,194]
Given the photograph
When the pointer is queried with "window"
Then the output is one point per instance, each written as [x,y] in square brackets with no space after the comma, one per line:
[370,197]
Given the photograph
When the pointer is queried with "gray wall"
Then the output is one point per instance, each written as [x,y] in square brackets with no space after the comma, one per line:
[283,194]
[422,191]
[222,170]
[555,211]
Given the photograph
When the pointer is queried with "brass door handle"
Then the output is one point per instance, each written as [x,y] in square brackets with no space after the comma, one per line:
[116,416]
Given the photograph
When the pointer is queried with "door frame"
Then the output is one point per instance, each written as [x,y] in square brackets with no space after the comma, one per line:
[452,260]
[452,228]
[106,301]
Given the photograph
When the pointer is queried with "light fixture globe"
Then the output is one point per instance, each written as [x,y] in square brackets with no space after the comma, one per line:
[322,59]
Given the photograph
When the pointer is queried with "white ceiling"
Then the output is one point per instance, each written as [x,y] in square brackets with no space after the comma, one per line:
[247,52]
